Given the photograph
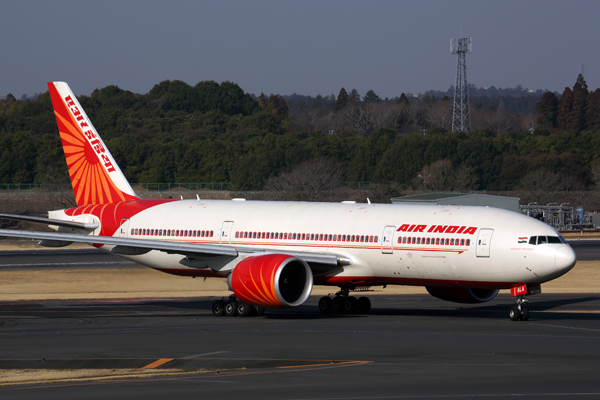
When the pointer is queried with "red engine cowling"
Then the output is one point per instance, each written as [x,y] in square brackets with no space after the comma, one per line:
[462,295]
[272,281]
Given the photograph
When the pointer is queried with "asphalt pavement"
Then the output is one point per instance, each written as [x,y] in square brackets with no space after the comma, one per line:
[408,347]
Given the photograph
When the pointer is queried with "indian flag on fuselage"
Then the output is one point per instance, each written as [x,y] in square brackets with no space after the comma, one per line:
[95,176]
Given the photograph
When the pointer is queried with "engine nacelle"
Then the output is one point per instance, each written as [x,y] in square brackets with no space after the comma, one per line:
[272,281]
[462,295]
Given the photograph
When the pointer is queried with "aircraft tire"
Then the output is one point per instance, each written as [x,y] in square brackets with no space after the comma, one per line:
[363,305]
[325,305]
[524,314]
[231,308]
[260,311]
[337,305]
[243,309]
[350,305]
[514,313]
[218,308]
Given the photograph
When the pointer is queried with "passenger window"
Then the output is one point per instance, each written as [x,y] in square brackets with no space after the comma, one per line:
[468,242]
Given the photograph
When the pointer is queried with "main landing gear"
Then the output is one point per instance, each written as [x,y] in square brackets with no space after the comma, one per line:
[231,307]
[342,303]
[519,311]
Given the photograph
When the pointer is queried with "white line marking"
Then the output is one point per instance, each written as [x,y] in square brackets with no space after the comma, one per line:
[206,354]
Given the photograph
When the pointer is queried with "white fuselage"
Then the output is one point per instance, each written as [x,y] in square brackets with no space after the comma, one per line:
[454,246]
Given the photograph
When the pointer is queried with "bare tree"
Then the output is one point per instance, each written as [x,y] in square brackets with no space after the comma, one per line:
[539,183]
[317,179]
[442,176]
[59,191]
[440,115]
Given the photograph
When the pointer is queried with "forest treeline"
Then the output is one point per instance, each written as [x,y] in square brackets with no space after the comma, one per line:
[215,132]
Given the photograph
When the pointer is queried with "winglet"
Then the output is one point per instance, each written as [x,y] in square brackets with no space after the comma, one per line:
[95,176]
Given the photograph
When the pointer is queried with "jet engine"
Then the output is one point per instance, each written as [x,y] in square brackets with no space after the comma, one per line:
[272,281]
[462,295]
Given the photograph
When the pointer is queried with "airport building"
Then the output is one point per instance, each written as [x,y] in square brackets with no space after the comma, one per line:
[461,199]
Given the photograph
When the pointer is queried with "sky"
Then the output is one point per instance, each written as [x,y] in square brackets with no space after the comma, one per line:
[305,47]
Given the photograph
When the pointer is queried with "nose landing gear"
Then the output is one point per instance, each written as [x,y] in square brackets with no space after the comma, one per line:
[519,311]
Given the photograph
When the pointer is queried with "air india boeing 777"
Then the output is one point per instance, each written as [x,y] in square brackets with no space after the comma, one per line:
[272,253]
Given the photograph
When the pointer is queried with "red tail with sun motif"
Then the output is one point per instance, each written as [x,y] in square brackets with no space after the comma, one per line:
[95,176]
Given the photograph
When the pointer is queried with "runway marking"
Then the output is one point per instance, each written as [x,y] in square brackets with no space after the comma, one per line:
[298,368]
[204,354]
[566,327]
[158,363]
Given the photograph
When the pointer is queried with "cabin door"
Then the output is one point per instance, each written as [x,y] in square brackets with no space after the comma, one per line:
[226,232]
[387,240]
[124,228]
[484,240]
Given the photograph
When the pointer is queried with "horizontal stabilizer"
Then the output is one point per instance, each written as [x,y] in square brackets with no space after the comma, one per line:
[48,221]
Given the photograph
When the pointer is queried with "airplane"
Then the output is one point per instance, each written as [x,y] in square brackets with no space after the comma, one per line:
[271,253]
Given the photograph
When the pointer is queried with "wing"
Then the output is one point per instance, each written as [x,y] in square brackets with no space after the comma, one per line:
[319,262]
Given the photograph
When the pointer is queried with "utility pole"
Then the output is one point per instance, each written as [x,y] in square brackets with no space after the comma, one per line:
[461,120]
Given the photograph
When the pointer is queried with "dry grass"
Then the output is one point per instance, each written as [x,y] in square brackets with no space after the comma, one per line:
[10,377]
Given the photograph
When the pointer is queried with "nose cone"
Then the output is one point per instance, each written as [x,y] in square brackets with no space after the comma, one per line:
[565,258]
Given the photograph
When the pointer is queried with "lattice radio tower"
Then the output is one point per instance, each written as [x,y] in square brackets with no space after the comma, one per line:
[461,120]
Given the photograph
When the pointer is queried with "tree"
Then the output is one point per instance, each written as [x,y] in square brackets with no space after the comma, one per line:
[262,100]
[547,111]
[371,97]
[565,106]
[403,99]
[354,96]
[277,105]
[576,117]
[441,176]
[342,100]
[540,182]
[314,180]
[592,114]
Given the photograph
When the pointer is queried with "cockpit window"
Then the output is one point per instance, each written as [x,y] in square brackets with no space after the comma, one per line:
[546,239]
[554,239]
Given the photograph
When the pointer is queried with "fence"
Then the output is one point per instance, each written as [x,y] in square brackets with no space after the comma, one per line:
[149,187]
[167,187]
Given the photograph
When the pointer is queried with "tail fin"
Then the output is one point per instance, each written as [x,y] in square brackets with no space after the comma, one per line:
[95,176]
